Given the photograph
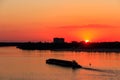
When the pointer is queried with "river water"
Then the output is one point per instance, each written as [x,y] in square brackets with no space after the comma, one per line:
[16,64]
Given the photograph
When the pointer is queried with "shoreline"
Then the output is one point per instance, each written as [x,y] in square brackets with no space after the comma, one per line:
[75,46]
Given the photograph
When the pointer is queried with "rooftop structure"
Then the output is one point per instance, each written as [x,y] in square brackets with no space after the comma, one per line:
[58,40]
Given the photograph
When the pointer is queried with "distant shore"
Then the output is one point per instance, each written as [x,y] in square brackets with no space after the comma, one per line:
[90,50]
[73,46]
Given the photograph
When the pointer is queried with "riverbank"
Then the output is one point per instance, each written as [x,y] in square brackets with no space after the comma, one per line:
[89,47]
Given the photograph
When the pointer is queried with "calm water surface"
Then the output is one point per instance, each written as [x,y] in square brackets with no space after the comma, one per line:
[17,64]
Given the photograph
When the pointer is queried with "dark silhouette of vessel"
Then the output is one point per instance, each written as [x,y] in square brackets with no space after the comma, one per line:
[64,63]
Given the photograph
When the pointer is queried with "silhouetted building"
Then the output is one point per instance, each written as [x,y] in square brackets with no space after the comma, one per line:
[58,40]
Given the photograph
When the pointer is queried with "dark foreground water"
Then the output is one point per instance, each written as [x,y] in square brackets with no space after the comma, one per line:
[16,64]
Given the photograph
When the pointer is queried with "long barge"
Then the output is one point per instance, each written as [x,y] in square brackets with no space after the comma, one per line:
[64,63]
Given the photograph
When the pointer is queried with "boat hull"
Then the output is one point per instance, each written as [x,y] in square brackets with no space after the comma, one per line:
[63,63]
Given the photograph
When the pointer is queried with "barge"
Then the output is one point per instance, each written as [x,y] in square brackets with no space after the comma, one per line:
[64,63]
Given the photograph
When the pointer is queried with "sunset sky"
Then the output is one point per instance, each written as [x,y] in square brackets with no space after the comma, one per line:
[41,20]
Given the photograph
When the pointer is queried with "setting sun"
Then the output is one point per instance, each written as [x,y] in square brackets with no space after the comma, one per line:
[86,41]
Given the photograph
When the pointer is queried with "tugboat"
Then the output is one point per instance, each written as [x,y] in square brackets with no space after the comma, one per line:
[64,63]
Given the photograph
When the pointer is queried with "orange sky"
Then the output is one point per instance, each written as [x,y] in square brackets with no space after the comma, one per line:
[41,20]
